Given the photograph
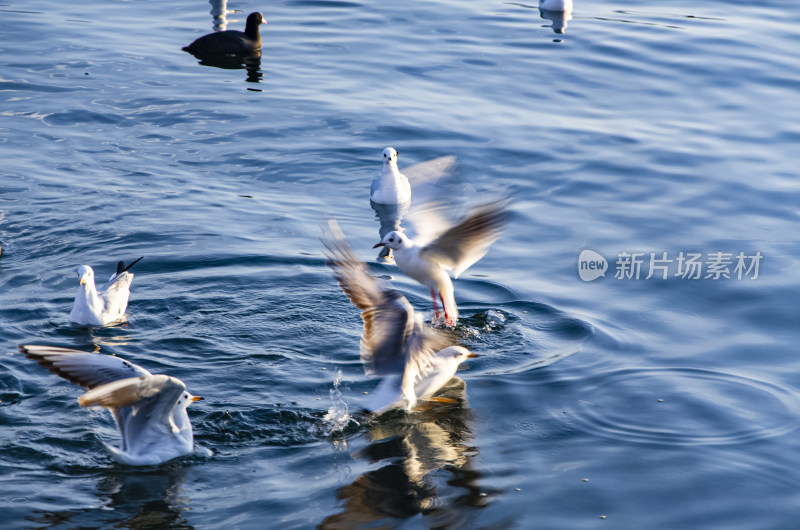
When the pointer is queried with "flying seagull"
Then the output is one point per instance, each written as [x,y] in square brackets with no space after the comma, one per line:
[455,248]
[415,360]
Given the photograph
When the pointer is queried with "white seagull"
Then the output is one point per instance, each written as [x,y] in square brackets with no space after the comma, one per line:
[456,248]
[556,5]
[93,308]
[391,186]
[415,360]
[150,410]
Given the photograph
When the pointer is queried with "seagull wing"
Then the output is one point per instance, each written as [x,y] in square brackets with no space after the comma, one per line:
[118,282]
[121,278]
[430,171]
[86,369]
[422,344]
[388,317]
[467,242]
[142,407]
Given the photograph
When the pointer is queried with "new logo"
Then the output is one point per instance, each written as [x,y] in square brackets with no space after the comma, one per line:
[591,265]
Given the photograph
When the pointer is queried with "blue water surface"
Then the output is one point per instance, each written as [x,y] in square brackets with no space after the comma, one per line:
[623,402]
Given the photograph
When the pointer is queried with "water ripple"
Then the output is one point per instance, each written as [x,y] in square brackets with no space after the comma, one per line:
[685,406]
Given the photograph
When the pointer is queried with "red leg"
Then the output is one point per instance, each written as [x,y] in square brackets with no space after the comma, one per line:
[435,307]
[444,308]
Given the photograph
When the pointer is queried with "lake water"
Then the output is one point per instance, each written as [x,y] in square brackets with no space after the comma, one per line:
[625,403]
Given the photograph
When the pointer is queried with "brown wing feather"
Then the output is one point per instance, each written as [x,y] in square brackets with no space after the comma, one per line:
[465,243]
[82,368]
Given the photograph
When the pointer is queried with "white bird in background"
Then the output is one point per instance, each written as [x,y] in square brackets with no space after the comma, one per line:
[559,12]
[93,308]
[150,410]
[424,176]
[555,5]
[415,360]
[391,186]
[454,248]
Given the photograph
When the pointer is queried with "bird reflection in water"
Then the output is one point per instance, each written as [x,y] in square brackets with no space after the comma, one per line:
[130,499]
[388,216]
[425,451]
[219,12]
[559,19]
[149,500]
[424,177]
[250,63]
[559,12]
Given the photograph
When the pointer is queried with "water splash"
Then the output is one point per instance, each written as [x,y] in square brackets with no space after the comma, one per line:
[338,416]
[494,319]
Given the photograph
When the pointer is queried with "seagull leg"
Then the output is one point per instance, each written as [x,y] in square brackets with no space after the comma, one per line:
[435,307]
[447,319]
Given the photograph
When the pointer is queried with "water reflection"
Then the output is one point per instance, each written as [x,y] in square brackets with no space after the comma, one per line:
[251,62]
[147,500]
[219,13]
[417,449]
[425,179]
[389,216]
[137,499]
[559,19]
[94,338]
[559,13]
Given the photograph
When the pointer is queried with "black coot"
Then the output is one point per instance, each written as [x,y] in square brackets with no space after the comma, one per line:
[231,41]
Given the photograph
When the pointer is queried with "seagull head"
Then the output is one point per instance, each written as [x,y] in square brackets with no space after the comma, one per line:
[187,399]
[389,156]
[86,274]
[393,240]
[458,353]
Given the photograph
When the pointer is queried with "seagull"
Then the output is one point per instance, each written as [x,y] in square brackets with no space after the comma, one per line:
[230,42]
[93,308]
[556,5]
[391,186]
[415,360]
[424,176]
[456,249]
[150,410]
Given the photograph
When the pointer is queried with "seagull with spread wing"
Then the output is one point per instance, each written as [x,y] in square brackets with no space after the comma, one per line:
[422,177]
[98,308]
[414,360]
[440,247]
[150,410]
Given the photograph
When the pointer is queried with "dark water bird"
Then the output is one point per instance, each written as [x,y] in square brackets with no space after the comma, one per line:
[150,410]
[230,42]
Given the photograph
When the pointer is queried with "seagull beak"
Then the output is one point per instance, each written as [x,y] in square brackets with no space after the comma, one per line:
[83,280]
[196,398]
[379,245]
[472,355]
